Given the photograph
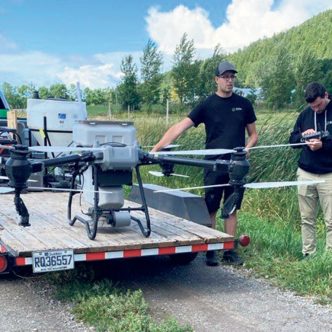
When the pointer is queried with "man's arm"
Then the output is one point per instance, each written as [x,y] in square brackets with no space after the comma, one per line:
[173,133]
[252,135]
[296,135]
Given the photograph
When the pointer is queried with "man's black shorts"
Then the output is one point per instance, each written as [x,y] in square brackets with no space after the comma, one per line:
[214,195]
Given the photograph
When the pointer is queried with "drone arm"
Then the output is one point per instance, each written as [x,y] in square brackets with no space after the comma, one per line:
[214,164]
[69,159]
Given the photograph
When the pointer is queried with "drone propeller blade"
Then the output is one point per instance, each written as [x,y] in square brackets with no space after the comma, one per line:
[169,146]
[70,190]
[156,173]
[6,190]
[276,146]
[206,152]
[59,149]
[266,185]
[180,175]
[190,188]
[160,174]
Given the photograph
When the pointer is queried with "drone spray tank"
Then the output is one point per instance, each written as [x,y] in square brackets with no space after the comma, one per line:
[114,167]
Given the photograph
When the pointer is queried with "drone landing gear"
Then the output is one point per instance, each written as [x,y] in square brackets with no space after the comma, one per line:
[119,217]
[21,210]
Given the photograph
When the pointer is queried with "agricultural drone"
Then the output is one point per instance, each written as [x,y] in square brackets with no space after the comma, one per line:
[104,157]
[105,167]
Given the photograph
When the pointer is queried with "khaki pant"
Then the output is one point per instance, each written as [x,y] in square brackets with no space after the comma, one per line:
[310,196]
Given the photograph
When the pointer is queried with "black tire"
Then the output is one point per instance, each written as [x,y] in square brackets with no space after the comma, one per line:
[184,258]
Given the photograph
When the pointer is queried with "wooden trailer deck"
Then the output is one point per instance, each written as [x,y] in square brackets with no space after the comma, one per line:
[50,230]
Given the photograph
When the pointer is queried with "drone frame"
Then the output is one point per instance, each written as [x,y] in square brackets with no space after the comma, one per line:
[19,169]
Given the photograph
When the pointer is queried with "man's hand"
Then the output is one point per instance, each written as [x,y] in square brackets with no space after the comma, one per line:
[314,144]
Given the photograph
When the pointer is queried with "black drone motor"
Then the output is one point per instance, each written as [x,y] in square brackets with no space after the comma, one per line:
[167,168]
[238,169]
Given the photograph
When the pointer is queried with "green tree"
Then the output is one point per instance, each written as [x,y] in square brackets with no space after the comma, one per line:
[185,71]
[151,62]
[326,66]
[11,95]
[128,88]
[44,92]
[278,80]
[16,97]
[58,90]
[306,69]
[96,96]
[206,82]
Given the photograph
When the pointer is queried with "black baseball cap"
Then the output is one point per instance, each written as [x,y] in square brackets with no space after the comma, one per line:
[225,66]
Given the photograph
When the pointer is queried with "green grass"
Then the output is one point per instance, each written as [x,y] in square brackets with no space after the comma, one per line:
[275,254]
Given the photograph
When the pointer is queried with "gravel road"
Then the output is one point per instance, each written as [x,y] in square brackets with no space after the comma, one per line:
[27,306]
[208,298]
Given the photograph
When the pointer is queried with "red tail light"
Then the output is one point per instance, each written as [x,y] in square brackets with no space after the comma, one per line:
[244,240]
[3,263]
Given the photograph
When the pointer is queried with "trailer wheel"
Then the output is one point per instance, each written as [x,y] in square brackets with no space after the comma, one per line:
[184,258]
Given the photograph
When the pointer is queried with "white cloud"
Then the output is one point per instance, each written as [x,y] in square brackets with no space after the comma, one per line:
[246,21]
[105,71]
[88,75]
[29,67]
[41,69]
[167,28]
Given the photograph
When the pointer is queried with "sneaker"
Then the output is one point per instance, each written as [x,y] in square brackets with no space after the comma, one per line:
[232,258]
[308,256]
[212,258]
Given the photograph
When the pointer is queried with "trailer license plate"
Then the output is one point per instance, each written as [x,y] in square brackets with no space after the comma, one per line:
[47,261]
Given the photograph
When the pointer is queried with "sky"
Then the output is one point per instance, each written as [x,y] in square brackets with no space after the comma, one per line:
[67,41]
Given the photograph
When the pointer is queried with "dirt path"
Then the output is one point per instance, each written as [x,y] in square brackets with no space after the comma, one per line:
[207,298]
[26,305]
[224,299]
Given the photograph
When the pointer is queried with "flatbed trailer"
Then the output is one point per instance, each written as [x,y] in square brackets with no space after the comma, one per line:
[51,244]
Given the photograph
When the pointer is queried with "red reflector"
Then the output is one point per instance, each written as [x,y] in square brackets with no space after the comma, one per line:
[229,245]
[3,263]
[132,253]
[166,251]
[199,247]
[244,240]
[20,261]
[95,256]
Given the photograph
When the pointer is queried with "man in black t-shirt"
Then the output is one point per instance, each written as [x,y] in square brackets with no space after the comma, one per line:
[227,117]
[315,163]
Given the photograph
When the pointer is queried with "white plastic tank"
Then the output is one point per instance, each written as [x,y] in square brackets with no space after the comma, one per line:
[60,117]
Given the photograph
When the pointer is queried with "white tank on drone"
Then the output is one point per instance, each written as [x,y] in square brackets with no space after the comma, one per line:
[57,117]
[121,155]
